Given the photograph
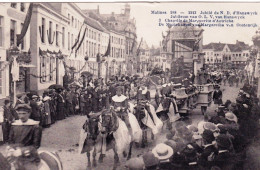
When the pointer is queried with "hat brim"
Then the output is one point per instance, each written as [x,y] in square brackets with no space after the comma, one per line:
[94,115]
[164,157]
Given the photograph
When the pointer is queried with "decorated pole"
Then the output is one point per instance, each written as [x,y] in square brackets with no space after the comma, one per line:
[15,75]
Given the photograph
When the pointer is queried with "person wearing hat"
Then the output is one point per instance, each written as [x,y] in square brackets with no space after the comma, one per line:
[208,149]
[25,138]
[225,158]
[135,164]
[9,117]
[46,112]
[60,101]
[217,96]
[150,161]
[120,104]
[163,152]
[36,114]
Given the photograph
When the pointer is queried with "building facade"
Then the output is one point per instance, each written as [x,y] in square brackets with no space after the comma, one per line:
[183,42]
[12,16]
[226,55]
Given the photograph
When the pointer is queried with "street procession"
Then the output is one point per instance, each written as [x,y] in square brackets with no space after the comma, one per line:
[83,89]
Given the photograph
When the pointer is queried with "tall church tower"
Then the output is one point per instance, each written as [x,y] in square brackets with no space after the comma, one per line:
[127,10]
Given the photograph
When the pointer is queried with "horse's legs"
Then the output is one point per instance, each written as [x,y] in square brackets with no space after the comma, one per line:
[152,136]
[94,157]
[144,138]
[130,150]
[88,155]
[116,157]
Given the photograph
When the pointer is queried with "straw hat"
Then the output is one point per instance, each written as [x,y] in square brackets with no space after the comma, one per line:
[162,151]
[231,117]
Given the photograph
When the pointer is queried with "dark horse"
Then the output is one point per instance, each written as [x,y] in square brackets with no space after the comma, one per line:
[91,126]
[163,114]
[139,112]
[110,126]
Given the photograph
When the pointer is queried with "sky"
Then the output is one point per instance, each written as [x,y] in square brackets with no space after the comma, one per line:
[148,24]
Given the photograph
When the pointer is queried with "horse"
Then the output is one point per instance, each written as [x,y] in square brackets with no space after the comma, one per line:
[146,120]
[118,133]
[92,138]
[168,111]
[48,161]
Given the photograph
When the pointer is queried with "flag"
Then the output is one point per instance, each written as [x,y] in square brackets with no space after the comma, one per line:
[82,39]
[77,38]
[108,49]
[15,69]
[25,26]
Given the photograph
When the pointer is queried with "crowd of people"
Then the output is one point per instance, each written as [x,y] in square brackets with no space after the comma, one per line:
[216,143]
[219,143]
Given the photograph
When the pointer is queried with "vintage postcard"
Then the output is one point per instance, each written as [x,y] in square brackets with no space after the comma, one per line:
[129,85]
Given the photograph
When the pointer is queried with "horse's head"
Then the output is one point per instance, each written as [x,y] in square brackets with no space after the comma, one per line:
[109,121]
[140,111]
[91,126]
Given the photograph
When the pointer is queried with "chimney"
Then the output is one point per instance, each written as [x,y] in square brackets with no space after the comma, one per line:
[98,9]
[113,13]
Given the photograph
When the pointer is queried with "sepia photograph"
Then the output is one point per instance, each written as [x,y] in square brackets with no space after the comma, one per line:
[129,85]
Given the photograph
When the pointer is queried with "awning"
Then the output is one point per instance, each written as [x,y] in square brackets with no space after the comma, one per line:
[27,65]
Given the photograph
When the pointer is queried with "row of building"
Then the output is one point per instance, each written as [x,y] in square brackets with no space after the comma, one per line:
[62,37]
[226,55]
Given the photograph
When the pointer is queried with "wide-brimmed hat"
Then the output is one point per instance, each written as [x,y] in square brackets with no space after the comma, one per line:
[210,126]
[46,98]
[192,128]
[231,117]
[34,96]
[162,151]
[135,164]
[23,107]
[150,160]
[94,115]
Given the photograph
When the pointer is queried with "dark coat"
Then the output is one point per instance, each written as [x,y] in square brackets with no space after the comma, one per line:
[217,97]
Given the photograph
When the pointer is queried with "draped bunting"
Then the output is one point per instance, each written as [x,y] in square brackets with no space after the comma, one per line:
[82,39]
[77,38]
[26,25]
[108,49]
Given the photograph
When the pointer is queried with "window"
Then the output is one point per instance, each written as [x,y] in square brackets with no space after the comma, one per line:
[69,18]
[13,5]
[72,21]
[72,37]
[57,35]
[52,66]
[23,41]
[50,32]
[1,31]
[22,7]
[63,37]
[87,32]
[68,41]
[43,30]
[12,33]
[43,69]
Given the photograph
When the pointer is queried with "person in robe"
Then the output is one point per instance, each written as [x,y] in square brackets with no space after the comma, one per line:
[60,105]
[24,139]
[120,104]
